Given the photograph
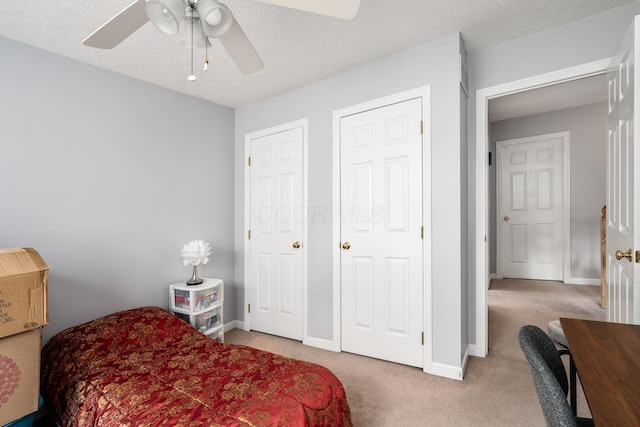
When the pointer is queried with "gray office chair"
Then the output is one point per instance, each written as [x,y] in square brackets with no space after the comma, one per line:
[557,335]
[549,378]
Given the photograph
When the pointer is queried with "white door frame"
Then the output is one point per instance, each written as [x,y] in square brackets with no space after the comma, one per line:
[424,93]
[480,348]
[565,136]
[248,286]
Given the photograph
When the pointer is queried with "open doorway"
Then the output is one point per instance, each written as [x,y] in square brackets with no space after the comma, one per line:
[561,230]
[514,92]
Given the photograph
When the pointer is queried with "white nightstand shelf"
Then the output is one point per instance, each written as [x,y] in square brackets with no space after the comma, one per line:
[200,305]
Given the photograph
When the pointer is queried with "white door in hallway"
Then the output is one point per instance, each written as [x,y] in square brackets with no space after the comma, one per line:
[623,180]
[276,226]
[531,199]
[380,232]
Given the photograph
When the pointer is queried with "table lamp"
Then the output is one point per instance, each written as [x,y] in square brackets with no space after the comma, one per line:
[194,253]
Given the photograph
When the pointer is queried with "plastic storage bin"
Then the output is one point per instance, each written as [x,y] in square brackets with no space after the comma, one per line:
[197,298]
[210,320]
[200,305]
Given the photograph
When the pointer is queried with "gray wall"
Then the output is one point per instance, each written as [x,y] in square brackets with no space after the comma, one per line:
[434,64]
[105,171]
[588,180]
[464,222]
[107,177]
[576,43]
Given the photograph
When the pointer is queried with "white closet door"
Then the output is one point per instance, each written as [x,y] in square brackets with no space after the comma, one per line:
[381,220]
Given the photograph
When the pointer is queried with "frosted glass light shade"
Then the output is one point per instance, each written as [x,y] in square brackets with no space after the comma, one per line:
[216,18]
[199,39]
[166,15]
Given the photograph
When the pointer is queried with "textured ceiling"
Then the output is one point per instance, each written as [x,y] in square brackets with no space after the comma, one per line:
[297,48]
[574,93]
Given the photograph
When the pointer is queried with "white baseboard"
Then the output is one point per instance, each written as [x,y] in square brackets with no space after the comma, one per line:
[582,281]
[569,281]
[447,371]
[465,360]
[322,344]
[473,351]
[310,341]
[234,324]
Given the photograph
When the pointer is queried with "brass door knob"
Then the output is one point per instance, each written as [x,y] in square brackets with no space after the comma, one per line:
[296,245]
[628,255]
[506,218]
[346,245]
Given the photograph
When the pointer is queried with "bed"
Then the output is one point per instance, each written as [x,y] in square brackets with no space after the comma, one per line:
[146,367]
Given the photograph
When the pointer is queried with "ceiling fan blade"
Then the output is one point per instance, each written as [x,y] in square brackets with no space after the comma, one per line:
[119,27]
[240,49]
[345,9]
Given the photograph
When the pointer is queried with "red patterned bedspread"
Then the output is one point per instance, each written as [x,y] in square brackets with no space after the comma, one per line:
[145,367]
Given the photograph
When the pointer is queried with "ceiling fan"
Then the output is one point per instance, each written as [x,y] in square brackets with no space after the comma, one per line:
[215,21]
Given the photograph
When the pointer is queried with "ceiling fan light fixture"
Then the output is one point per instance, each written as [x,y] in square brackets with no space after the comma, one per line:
[166,15]
[216,18]
[186,34]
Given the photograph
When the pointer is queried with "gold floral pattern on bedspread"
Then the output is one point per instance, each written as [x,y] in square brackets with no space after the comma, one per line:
[145,367]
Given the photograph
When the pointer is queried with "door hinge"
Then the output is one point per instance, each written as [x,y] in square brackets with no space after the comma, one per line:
[423,338]
[249,161]
[421,127]
[422,232]
[249,234]
[248,308]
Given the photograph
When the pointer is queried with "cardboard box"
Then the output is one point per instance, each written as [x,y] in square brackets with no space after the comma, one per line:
[23,291]
[20,375]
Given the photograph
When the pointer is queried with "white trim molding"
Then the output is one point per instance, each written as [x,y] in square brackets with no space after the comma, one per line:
[447,371]
[425,94]
[234,324]
[323,344]
[304,124]
[582,281]
[482,203]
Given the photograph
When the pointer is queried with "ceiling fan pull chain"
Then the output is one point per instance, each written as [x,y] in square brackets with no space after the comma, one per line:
[192,77]
[206,56]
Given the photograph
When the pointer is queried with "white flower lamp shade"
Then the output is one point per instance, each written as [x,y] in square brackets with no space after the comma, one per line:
[194,253]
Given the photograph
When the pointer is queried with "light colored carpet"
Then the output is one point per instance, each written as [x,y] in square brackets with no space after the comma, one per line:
[496,391]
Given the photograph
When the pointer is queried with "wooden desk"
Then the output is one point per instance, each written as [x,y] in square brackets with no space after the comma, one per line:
[607,357]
